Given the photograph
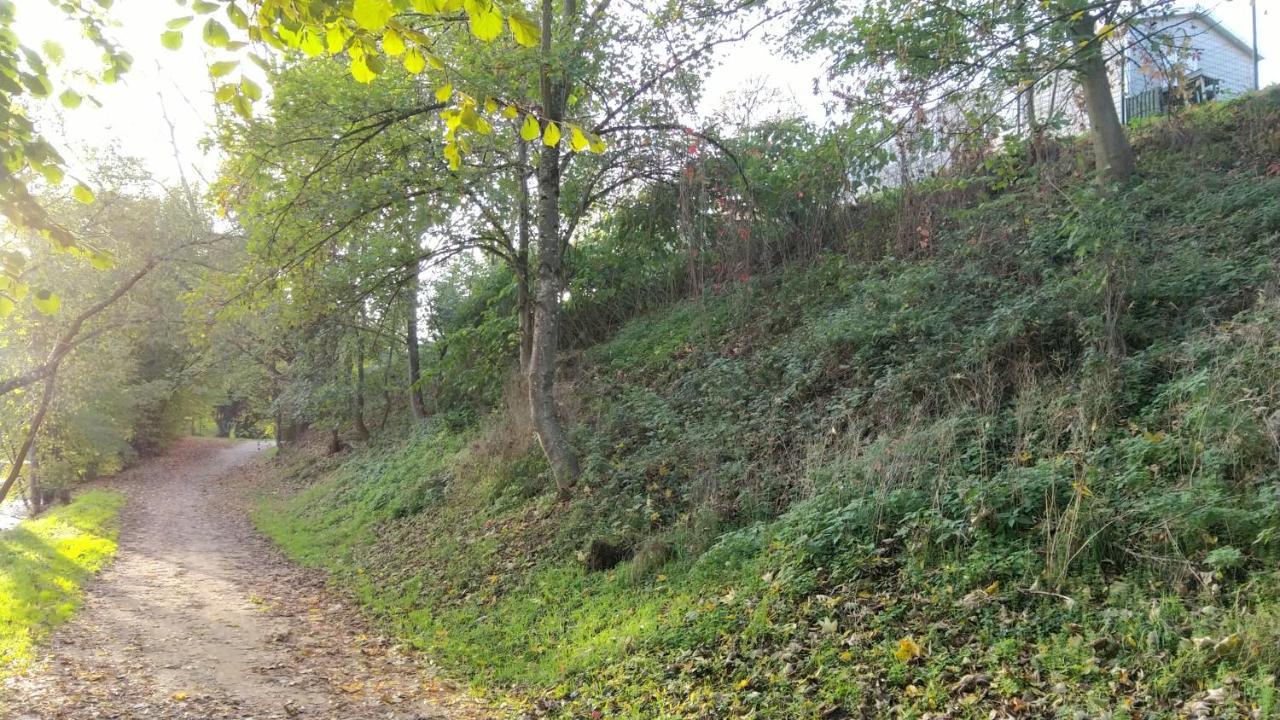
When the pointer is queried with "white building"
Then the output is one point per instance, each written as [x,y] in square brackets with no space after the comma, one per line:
[1182,57]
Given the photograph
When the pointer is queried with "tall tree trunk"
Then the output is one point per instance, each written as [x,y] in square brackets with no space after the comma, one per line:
[411,344]
[362,430]
[550,278]
[1112,152]
[524,304]
[38,419]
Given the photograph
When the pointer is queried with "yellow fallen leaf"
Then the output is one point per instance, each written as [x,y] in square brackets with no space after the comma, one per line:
[908,650]
[179,696]
[354,686]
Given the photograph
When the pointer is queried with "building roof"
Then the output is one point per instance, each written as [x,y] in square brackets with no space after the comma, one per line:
[1210,22]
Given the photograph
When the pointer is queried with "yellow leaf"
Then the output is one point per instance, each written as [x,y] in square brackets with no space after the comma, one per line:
[510,112]
[335,37]
[490,105]
[414,62]
[908,650]
[525,31]
[372,14]
[360,70]
[486,21]
[551,136]
[83,194]
[577,139]
[1077,16]
[310,43]
[392,42]
[443,93]
[179,696]
[6,306]
[529,131]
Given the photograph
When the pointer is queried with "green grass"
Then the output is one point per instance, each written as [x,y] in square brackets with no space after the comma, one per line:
[43,564]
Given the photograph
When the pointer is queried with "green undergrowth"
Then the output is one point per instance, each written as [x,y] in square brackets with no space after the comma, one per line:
[1028,471]
[43,564]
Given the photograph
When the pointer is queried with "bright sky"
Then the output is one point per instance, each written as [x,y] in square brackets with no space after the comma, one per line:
[131,116]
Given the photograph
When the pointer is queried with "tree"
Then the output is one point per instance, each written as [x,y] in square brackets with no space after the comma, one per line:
[25,75]
[581,58]
[112,367]
[918,54]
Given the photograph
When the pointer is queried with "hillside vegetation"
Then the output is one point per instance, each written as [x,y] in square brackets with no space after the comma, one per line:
[1022,463]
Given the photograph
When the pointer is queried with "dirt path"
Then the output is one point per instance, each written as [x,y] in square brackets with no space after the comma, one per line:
[199,617]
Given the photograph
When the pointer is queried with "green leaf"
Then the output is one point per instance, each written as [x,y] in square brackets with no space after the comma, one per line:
[222,68]
[414,62]
[101,259]
[250,89]
[46,302]
[485,20]
[83,194]
[530,131]
[171,39]
[53,51]
[443,93]
[179,23]
[525,31]
[242,106]
[204,7]
[372,15]
[237,17]
[70,99]
[52,174]
[225,93]
[215,35]
[38,85]
[551,136]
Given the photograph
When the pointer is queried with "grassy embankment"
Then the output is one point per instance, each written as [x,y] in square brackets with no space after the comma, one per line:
[1029,470]
[43,564]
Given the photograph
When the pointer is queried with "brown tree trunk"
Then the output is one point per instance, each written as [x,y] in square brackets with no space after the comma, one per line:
[1112,153]
[45,398]
[411,343]
[362,430]
[524,304]
[550,280]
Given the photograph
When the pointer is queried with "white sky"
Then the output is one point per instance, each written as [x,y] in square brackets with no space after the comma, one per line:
[131,117]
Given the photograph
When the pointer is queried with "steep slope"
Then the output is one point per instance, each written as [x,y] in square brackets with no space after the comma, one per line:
[1027,470]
